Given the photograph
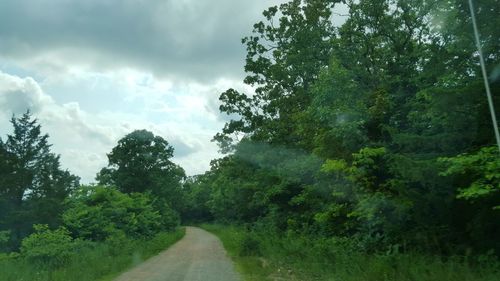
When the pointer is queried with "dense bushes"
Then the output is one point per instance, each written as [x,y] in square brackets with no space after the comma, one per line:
[48,247]
[89,261]
[96,212]
[104,231]
[296,257]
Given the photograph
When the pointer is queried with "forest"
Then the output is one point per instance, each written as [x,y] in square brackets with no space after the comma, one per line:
[366,152]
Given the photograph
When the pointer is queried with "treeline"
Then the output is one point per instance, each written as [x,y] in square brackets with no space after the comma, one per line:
[53,228]
[377,130]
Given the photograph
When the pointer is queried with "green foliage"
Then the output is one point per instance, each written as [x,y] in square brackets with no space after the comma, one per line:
[297,257]
[370,169]
[105,230]
[169,218]
[249,246]
[196,194]
[479,173]
[363,145]
[33,186]
[47,247]
[96,213]
[4,239]
[137,161]
[332,166]
[90,261]
[282,63]
[141,163]
[347,124]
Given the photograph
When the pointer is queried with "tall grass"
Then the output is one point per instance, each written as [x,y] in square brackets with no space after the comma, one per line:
[262,255]
[92,261]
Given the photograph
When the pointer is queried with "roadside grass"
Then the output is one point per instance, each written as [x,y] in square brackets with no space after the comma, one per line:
[93,261]
[252,267]
[265,256]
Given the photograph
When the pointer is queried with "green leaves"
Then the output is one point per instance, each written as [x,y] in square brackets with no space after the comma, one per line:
[32,184]
[479,173]
[141,163]
[48,247]
[96,213]
[284,56]
[344,131]
[334,166]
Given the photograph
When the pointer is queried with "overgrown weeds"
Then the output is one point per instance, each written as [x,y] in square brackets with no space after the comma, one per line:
[90,261]
[295,257]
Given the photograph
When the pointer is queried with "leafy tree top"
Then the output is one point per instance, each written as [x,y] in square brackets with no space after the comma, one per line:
[141,162]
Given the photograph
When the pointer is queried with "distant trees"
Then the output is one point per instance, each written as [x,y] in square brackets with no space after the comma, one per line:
[140,192]
[195,196]
[33,187]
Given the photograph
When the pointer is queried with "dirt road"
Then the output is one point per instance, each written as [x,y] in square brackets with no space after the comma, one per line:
[199,256]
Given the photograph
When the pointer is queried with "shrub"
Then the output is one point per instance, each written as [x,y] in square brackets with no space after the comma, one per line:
[97,213]
[48,247]
[4,238]
[170,219]
[249,245]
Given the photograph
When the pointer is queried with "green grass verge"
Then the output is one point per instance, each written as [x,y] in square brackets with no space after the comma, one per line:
[264,256]
[93,261]
[251,267]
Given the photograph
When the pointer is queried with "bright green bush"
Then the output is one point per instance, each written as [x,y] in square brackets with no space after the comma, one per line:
[96,213]
[480,173]
[48,247]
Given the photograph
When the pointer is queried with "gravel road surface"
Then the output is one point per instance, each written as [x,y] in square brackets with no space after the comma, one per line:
[198,256]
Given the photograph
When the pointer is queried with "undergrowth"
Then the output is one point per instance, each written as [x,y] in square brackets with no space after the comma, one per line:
[89,261]
[261,255]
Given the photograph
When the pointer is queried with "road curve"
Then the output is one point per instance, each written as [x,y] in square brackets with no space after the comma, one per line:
[198,256]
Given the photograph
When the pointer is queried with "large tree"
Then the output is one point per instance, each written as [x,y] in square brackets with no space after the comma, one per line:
[33,186]
[141,163]
[285,54]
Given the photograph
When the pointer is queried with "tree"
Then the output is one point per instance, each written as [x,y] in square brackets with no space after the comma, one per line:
[141,163]
[34,186]
[196,193]
[476,177]
[284,57]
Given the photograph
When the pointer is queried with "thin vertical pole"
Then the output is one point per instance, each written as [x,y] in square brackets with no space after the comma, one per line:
[485,76]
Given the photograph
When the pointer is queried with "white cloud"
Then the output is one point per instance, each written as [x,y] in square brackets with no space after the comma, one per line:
[182,114]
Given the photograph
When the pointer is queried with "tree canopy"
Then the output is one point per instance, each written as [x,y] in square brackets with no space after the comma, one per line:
[377,129]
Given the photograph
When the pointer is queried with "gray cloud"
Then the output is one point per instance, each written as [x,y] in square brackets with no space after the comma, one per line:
[81,138]
[198,39]
[181,149]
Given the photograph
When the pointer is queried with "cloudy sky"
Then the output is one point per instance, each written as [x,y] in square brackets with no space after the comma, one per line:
[92,71]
